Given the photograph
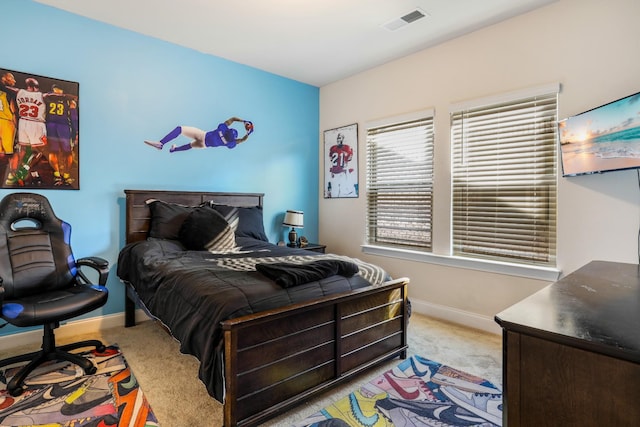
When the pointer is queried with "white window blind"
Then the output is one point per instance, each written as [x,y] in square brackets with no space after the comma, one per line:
[400,183]
[504,180]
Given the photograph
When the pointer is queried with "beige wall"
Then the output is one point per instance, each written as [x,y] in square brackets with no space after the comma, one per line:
[590,47]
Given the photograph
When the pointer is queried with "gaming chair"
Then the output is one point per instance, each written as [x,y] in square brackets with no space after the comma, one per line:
[41,283]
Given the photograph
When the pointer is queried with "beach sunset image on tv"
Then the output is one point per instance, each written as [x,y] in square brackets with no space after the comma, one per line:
[603,139]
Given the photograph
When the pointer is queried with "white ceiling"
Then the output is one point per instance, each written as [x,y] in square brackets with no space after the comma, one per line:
[312,41]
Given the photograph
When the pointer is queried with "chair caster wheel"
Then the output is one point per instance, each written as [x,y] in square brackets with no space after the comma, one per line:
[16,392]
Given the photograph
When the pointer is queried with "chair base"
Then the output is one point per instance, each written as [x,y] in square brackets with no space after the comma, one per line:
[49,352]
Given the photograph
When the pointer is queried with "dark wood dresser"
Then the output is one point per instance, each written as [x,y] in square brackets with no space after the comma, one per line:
[571,352]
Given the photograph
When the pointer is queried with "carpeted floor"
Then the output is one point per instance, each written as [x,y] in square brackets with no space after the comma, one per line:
[178,398]
[61,394]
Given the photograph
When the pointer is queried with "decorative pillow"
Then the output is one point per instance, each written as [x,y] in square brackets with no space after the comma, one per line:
[206,229]
[244,221]
[166,218]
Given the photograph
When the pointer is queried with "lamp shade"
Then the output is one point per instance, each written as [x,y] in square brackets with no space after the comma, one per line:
[293,219]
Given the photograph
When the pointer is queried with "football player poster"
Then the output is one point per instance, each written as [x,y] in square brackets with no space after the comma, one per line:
[341,162]
[39,132]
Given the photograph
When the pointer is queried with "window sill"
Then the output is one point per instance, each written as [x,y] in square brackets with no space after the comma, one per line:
[528,271]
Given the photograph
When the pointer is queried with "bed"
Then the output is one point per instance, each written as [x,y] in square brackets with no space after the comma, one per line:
[293,323]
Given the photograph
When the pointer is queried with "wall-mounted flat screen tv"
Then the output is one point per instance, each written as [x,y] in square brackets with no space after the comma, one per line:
[603,139]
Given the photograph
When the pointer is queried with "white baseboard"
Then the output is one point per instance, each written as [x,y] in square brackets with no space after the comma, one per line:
[76,327]
[454,315]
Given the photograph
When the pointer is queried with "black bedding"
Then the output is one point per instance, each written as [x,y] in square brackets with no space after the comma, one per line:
[288,275]
[191,292]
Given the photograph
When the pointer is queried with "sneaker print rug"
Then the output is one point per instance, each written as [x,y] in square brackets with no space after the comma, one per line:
[417,392]
[59,394]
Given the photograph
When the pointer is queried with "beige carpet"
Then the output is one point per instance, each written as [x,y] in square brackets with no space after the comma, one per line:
[178,398]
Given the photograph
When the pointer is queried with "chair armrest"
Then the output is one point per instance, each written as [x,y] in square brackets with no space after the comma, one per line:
[100,265]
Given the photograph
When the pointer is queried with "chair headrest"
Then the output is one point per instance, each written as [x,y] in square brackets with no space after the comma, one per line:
[19,206]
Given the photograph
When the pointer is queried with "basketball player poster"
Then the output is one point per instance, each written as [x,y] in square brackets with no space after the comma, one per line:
[341,162]
[39,132]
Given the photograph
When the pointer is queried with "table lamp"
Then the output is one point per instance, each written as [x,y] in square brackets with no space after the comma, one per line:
[293,219]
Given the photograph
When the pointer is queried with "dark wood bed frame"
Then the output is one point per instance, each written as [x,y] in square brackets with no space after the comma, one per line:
[282,357]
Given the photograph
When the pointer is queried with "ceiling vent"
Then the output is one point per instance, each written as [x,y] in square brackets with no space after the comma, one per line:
[405,20]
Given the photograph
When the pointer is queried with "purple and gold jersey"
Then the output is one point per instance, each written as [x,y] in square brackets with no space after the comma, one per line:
[58,108]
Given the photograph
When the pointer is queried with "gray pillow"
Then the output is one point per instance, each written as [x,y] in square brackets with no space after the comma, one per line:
[206,229]
[245,221]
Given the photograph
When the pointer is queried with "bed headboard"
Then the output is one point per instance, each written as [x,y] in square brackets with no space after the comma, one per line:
[138,214]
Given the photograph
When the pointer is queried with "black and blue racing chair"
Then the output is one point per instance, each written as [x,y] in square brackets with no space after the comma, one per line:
[42,283]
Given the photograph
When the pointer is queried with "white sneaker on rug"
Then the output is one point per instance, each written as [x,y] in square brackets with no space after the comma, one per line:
[485,405]
[447,376]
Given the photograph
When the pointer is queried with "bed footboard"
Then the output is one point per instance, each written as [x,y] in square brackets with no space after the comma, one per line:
[280,358]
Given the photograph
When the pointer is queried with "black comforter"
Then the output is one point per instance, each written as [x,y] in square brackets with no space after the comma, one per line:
[193,291]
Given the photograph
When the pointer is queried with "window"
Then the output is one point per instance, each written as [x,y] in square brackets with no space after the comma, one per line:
[400,181]
[504,178]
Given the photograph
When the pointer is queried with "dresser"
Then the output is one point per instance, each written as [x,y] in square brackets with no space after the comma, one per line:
[571,352]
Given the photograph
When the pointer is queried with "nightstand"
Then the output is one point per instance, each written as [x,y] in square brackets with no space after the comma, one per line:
[315,247]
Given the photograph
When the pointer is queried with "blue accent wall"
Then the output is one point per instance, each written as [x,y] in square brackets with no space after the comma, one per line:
[134,87]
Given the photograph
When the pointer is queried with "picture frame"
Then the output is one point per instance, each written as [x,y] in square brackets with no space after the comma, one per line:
[341,162]
[39,132]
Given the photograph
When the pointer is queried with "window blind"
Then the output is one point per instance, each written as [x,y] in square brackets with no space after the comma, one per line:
[504,180]
[400,184]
